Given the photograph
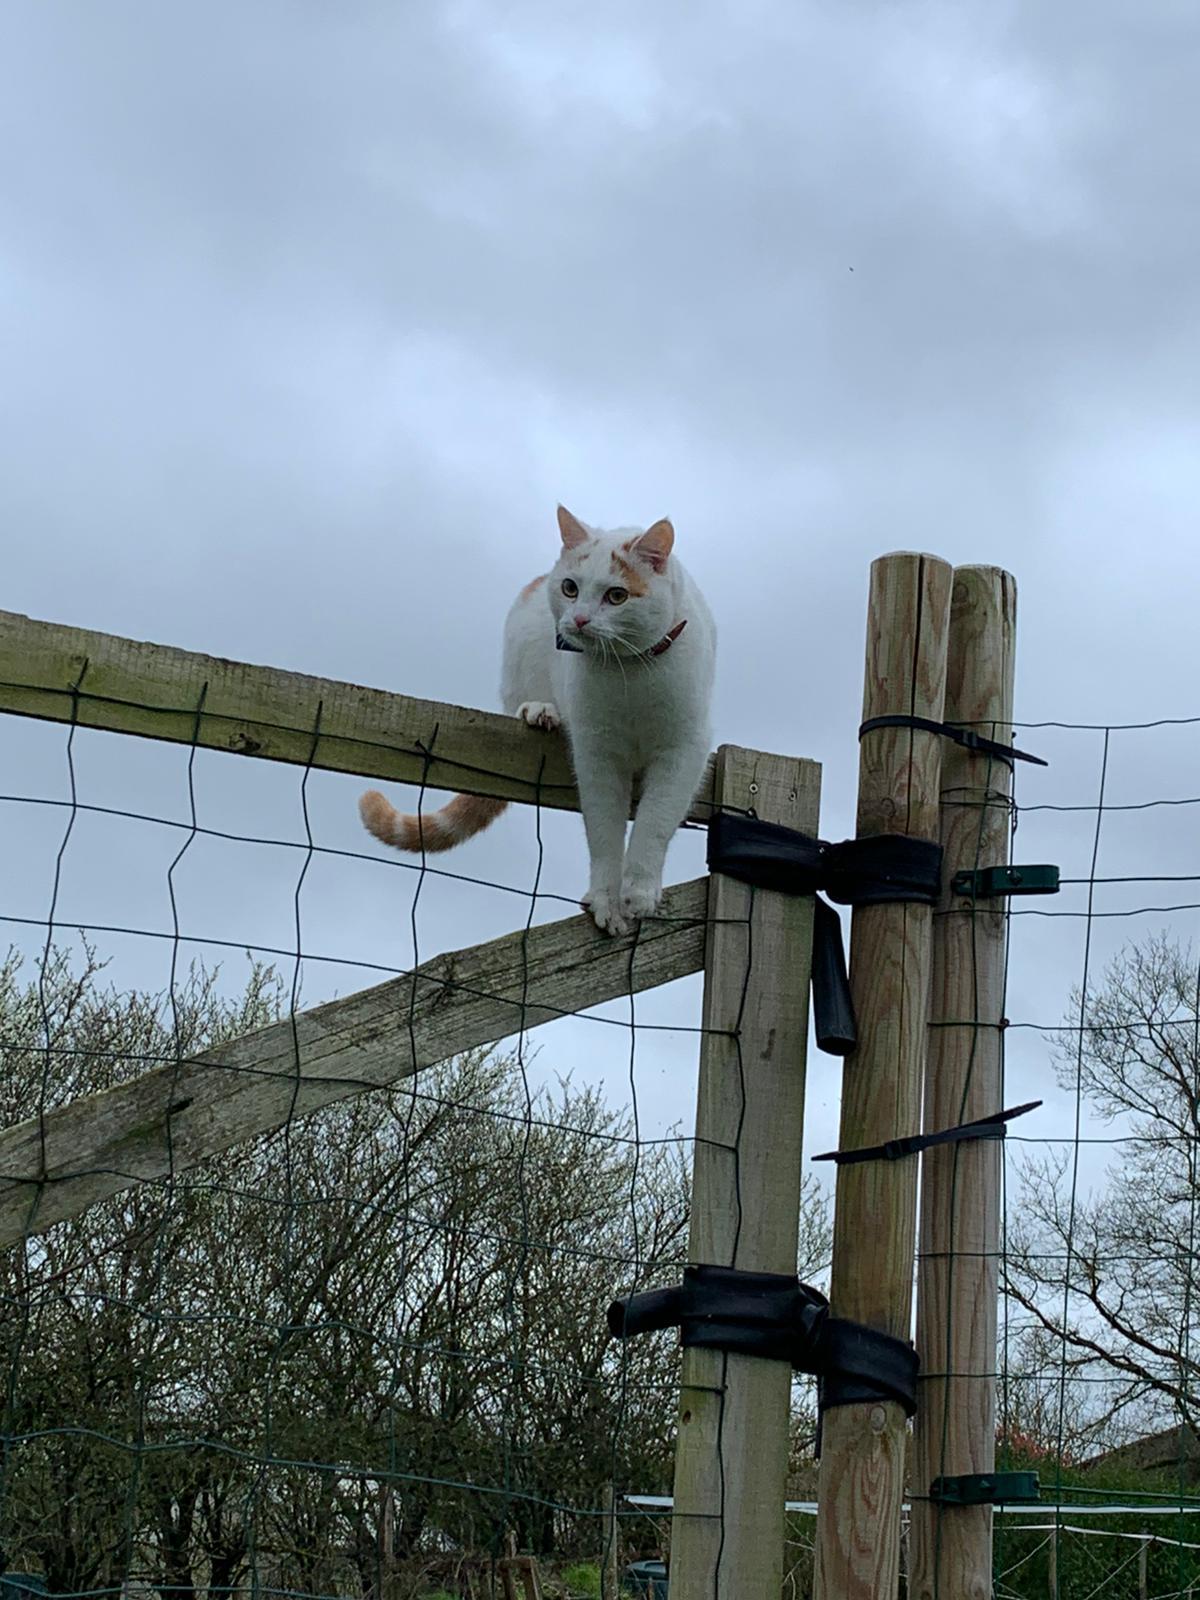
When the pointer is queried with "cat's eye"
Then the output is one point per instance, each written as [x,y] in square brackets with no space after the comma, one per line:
[570,588]
[617,597]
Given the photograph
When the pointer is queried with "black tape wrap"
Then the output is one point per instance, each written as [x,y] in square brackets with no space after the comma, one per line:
[779,1318]
[859,872]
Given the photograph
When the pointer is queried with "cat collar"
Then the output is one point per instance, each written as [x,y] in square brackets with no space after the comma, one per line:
[663,645]
[667,640]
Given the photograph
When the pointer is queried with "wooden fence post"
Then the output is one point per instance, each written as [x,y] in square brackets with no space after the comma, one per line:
[861,1481]
[1143,1576]
[727,1530]
[610,1561]
[958,1276]
[1052,1565]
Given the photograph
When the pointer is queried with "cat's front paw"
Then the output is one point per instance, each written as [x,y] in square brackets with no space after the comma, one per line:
[604,908]
[540,714]
[640,897]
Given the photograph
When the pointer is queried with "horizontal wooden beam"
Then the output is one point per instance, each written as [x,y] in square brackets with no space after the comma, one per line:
[174,1116]
[97,680]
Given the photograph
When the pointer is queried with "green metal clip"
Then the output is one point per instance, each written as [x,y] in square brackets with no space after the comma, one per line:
[987,1489]
[987,883]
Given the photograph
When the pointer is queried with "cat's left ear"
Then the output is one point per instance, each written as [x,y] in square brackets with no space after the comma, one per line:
[572,530]
[655,544]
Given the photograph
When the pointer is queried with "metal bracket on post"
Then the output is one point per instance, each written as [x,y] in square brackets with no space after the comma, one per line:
[988,883]
[987,1489]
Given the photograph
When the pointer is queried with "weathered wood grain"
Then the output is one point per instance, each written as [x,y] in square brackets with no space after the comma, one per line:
[727,1529]
[172,1117]
[96,680]
[957,1282]
[861,1480]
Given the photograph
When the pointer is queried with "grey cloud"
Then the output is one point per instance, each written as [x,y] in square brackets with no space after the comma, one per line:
[310,314]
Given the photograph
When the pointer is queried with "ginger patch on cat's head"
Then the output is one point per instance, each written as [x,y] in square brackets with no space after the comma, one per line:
[630,577]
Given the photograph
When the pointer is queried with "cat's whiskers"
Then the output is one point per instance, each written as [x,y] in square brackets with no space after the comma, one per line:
[617,657]
[620,663]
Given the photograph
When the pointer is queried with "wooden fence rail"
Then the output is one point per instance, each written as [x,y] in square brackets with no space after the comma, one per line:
[96,680]
[174,1116]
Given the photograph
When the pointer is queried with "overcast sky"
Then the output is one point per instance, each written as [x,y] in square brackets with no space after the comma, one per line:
[310,314]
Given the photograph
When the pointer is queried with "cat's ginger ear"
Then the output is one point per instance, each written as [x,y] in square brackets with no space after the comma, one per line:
[572,530]
[655,544]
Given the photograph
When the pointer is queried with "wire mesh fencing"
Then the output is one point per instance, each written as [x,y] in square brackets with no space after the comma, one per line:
[361,1351]
[357,1344]
[1097,1360]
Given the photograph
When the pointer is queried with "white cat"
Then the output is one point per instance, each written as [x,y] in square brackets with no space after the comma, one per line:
[617,646]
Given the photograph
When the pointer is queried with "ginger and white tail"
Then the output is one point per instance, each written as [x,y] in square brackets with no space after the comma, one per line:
[465,815]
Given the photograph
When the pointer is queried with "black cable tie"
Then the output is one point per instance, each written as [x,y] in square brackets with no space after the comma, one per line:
[992,1127]
[775,1316]
[967,737]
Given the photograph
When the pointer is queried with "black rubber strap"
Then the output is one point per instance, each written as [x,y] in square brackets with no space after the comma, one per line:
[967,737]
[781,1319]
[863,1366]
[858,872]
[992,1127]
[722,1308]
[832,1008]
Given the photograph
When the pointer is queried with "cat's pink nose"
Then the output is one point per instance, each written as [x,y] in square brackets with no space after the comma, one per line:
[581,619]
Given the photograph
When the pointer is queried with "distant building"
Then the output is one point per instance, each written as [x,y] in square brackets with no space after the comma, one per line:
[1157,1452]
